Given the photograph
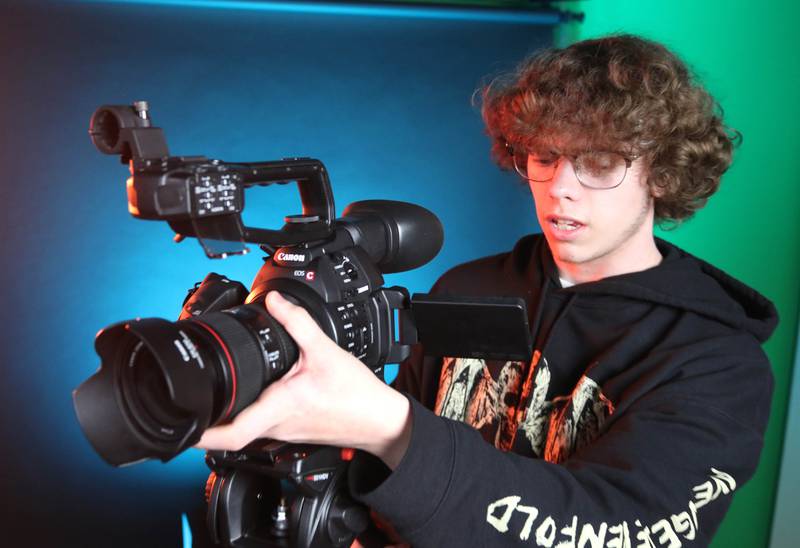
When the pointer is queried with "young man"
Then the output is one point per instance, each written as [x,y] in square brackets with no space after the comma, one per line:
[646,400]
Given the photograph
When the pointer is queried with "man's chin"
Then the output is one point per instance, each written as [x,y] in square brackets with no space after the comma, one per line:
[569,253]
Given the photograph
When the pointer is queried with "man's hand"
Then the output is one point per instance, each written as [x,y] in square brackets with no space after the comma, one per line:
[328,397]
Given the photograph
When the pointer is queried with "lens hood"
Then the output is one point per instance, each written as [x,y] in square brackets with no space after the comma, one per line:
[114,413]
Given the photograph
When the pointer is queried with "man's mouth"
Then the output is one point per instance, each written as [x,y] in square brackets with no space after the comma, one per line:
[564,223]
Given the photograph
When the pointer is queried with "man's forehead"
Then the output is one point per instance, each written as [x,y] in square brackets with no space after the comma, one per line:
[572,143]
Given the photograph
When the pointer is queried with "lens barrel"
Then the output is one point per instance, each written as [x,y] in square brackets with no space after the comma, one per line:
[161,383]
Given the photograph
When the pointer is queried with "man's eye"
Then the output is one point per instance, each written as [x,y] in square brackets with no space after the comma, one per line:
[543,161]
[598,162]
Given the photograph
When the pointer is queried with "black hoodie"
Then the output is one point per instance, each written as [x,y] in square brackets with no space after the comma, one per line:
[643,409]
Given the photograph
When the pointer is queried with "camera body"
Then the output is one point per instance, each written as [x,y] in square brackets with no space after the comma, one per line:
[342,289]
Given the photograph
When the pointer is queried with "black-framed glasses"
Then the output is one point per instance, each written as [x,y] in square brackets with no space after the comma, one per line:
[600,170]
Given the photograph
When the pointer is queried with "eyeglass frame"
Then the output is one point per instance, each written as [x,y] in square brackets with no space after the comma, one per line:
[573,158]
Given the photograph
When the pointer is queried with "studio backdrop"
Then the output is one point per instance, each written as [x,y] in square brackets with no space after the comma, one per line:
[385,101]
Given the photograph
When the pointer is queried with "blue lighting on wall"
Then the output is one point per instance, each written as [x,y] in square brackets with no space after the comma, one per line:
[186,531]
[452,13]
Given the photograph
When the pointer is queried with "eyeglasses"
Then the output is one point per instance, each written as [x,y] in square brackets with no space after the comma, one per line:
[594,169]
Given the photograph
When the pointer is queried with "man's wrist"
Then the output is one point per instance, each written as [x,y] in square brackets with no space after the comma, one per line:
[393,433]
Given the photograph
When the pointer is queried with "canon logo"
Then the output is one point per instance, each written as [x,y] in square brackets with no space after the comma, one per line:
[299,257]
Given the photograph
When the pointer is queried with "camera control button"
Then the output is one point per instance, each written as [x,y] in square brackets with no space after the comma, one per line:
[351,272]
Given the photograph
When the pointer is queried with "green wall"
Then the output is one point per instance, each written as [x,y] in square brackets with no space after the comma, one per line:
[747,54]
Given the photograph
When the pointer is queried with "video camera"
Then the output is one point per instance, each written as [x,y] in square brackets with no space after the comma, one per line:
[161,384]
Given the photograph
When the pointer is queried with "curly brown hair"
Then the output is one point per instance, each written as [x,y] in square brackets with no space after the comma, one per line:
[618,93]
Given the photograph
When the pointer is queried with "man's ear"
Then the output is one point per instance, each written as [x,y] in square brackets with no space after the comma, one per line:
[656,191]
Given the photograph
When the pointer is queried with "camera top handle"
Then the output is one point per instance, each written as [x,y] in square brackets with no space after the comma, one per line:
[316,221]
[157,187]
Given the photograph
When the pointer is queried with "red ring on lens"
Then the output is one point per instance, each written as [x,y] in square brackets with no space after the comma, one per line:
[230,364]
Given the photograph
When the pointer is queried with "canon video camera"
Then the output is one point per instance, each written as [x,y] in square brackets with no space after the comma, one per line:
[161,384]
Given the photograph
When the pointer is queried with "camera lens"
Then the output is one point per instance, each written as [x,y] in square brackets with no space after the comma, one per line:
[146,393]
[161,383]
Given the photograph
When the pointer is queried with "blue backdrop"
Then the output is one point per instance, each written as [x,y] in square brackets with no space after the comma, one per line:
[384,102]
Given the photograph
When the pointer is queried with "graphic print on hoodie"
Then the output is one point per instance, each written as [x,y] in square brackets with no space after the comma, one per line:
[642,410]
[554,429]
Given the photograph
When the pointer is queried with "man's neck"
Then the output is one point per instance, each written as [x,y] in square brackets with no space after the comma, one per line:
[634,258]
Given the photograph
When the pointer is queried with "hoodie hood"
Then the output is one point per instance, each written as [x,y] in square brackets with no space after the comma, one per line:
[685,282]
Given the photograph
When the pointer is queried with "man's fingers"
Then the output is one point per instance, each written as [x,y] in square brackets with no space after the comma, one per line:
[247,426]
[302,328]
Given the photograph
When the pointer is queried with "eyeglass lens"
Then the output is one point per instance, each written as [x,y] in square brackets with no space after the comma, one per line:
[593,169]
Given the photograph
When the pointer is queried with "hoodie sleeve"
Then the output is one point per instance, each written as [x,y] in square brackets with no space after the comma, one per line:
[662,474]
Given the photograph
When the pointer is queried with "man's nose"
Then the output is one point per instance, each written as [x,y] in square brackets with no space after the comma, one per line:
[565,183]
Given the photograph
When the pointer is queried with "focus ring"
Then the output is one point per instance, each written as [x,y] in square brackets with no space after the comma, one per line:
[246,376]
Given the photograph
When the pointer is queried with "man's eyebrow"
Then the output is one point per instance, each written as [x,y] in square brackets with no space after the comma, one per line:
[544,151]
[544,147]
